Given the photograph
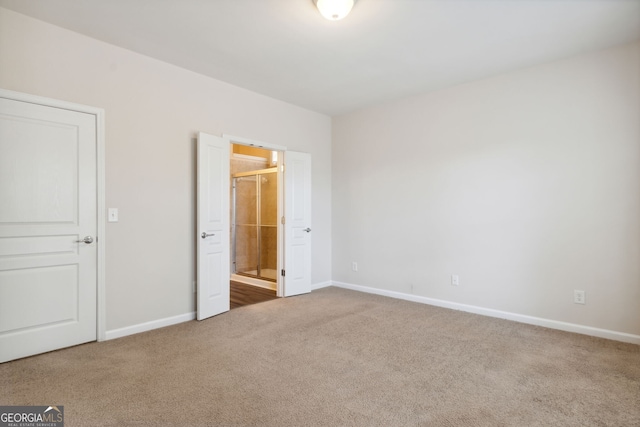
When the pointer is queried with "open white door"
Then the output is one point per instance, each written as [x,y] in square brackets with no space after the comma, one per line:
[297,232]
[213,226]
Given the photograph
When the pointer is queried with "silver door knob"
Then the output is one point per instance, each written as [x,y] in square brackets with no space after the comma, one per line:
[205,235]
[86,240]
[308,230]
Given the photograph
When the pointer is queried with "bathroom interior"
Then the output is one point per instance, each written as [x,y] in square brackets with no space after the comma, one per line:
[254,216]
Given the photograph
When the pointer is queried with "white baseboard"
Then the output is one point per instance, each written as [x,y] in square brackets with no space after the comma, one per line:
[321,285]
[148,326]
[161,323]
[553,324]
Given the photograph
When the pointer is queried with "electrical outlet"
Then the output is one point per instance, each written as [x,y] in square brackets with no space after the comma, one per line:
[455,280]
[579,297]
[354,266]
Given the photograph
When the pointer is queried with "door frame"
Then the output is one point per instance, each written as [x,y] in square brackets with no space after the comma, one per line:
[273,147]
[100,190]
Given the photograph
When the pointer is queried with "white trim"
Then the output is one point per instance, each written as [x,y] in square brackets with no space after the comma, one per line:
[280,229]
[253,142]
[236,156]
[102,231]
[100,191]
[538,321]
[321,285]
[50,102]
[149,326]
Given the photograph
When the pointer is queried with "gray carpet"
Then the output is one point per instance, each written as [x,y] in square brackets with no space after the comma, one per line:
[337,358]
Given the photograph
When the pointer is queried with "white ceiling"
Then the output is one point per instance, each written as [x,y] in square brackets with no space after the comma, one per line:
[385,49]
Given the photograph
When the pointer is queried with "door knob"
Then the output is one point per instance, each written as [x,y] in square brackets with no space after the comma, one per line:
[86,240]
[205,235]
[308,230]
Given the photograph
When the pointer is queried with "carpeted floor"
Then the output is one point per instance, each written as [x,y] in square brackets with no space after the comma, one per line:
[337,358]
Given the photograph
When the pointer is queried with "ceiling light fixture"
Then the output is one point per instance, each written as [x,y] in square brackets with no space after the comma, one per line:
[334,10]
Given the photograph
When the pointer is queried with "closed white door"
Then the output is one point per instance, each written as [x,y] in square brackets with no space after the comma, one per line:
[297,208]
[48,224]
[213,226]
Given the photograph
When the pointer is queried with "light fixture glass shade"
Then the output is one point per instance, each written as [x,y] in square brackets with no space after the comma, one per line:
[334,10]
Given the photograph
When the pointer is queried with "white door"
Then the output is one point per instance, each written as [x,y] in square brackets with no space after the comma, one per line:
[213,226]
[48,223]
[297,213]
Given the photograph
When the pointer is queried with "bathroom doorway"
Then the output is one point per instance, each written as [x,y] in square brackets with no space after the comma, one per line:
[214,266]
[255,228]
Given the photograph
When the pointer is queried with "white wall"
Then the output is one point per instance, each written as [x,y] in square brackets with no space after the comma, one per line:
[153,112]
[526,185]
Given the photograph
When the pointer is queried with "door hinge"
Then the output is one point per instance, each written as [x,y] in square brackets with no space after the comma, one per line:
[281,168]
[282,220]
[282,272]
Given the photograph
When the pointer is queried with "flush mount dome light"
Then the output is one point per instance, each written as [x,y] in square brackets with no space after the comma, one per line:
[334,10]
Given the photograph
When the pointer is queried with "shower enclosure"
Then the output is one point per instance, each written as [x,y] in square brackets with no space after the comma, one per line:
[254,230]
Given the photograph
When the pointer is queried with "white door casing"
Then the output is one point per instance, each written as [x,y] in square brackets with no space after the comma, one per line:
[49,202]
[212,226]
[297,201]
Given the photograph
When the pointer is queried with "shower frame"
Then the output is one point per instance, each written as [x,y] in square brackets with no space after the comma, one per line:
[257,173]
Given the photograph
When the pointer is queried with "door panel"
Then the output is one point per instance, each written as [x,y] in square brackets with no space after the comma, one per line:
[48,190]
[297,257]
[213,265]
[213,224]
[58,297]
[39,179]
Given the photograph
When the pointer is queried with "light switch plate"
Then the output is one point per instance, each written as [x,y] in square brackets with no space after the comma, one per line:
[113,215]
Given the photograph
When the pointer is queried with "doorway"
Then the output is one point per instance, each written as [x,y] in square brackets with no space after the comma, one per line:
[255,232]
[213,263]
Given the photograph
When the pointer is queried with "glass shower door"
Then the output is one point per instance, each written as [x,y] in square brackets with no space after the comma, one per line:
[268,226]
[254,218]
[245,225]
